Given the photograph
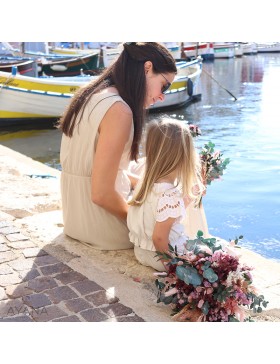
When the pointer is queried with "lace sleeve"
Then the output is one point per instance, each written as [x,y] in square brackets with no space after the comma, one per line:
[170,204]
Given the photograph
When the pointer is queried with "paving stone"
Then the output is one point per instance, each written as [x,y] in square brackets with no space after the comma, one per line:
[36,300]
[33,252]
[48,313]
[17,290]
[94,315]
[27,275]
[5,223]
[22,244]
[49,270]
[16,237]
[9,230]
[23,318]
[59,294]
[68,319]
[87,286]
[3,295]
[101,298]
[41,284]
[70,277]
[5,269]
[117,309]
[9,279]
[78,305]
[46,260]
[22,264]
[128,319]
[7,256]
[4,248]
[10,307]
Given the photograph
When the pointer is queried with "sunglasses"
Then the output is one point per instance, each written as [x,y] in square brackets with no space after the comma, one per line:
[166,86]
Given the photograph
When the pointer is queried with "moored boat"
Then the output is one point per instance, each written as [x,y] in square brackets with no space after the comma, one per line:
[26,98]
[23,67]
[268,47]
[70,67]
[223,50]
[203,49]
[250,48]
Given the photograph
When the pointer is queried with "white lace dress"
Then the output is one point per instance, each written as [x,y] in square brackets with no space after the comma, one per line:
[163,202]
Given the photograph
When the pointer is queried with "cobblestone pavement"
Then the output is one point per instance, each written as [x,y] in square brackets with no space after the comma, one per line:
[35,286]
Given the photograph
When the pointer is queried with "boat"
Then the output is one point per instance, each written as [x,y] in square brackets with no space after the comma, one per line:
[109,55]
[23,67]
[223,50]
[21,106]
[268,47]
[70,67]
[25,99]
[203,49]
[238,50]
[250,48]
[53,84]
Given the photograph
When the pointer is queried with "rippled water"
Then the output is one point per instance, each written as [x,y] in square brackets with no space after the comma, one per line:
[247,199]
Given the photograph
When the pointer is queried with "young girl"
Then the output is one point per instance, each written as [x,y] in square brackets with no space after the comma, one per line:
[170,182]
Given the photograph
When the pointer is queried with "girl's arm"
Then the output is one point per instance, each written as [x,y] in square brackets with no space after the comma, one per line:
[161,234]
[114,132]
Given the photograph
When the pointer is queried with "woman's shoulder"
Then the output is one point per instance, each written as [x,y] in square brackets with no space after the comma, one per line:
[114,101]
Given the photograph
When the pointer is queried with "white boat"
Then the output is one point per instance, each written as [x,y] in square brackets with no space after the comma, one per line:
[203,49]
[18,103]
[27,98]
[250,48]
[238,50]
[268,47]
[223,50]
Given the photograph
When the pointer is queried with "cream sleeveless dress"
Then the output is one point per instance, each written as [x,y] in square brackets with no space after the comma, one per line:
[84,220]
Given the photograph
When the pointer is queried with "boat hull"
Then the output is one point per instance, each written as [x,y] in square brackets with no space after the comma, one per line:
[21,103]
[87,65]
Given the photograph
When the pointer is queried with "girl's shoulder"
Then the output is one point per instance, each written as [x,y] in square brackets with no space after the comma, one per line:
[170,202]
[166,189]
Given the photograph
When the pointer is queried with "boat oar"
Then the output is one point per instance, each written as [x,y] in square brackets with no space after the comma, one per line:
[235,99]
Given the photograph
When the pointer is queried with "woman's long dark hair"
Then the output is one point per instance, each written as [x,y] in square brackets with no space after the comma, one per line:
[127,74]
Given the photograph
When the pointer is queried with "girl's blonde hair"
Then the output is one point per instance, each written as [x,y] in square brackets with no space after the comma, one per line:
[169,147]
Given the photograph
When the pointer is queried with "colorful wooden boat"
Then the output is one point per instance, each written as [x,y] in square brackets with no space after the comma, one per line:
[53,84]
[25,98]
[23,67]
[70,67]
[203,49]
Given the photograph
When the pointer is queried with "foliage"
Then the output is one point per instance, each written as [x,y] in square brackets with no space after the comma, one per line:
[207,283]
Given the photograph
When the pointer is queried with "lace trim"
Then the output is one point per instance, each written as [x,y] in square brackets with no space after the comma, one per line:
[170,205]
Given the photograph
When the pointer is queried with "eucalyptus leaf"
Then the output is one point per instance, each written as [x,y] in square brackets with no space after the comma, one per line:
[210,275]
[189,275]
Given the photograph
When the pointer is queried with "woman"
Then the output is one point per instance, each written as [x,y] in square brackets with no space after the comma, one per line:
[102,130]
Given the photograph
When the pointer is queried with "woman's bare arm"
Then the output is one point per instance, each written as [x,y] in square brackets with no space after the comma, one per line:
[114,132]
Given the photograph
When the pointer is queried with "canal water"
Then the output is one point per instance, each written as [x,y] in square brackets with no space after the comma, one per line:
[246,201]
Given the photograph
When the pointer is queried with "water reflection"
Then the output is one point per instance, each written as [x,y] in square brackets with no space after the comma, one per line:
[247,200]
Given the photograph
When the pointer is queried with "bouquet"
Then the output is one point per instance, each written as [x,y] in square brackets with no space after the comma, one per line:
[212,163]
[207,283]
